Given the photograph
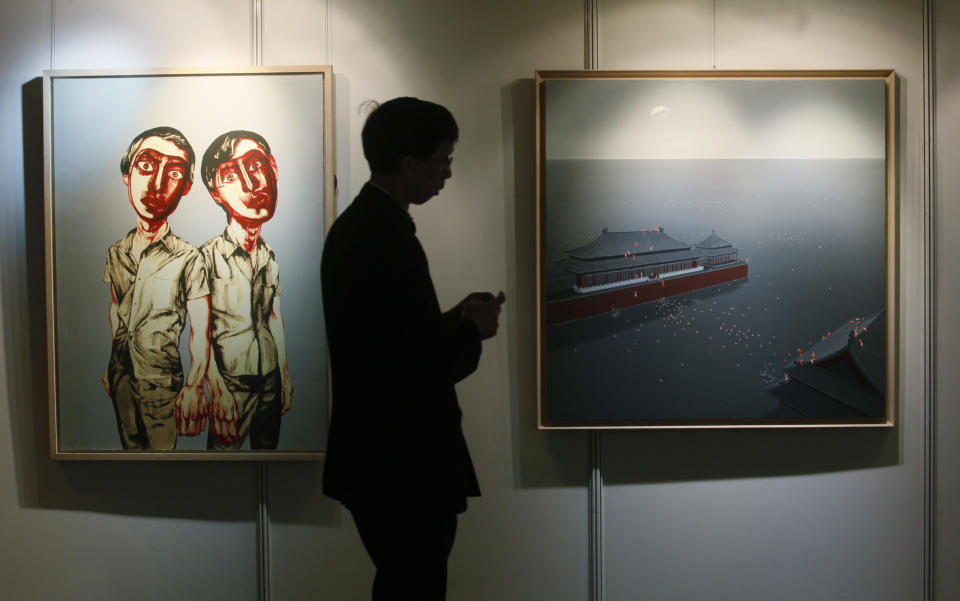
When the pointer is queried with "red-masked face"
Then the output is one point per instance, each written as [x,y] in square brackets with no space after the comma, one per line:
[157,178]
[246,184]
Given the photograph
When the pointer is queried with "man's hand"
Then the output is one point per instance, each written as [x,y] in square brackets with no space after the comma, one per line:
[224,413]
[483,309]
[191,411]
[287,392]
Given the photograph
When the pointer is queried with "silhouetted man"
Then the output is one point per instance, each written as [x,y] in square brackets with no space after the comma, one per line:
[396,455]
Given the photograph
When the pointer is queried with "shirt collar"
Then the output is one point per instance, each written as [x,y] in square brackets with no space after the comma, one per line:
[382,195]
[166,237]
[228,236]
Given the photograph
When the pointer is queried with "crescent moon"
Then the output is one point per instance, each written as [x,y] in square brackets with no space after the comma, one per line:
[658,112]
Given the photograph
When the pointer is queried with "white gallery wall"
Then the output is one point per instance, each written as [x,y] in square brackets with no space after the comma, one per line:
[746,515]
[947,286]
[778,515]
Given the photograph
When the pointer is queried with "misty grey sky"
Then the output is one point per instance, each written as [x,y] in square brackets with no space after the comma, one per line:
[714,119]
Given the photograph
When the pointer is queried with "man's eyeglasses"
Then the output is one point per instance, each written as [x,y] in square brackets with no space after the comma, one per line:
[444,162]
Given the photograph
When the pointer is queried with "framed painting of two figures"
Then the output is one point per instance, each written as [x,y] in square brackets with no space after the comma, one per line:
[717,249]
[185,216]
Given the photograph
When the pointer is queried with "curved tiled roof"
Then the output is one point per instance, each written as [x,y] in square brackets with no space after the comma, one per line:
[714,241]
[612,251]
[616,244]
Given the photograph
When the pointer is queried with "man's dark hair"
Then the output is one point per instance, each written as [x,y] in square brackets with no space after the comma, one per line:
[166,133]
[220,151]
[405,127]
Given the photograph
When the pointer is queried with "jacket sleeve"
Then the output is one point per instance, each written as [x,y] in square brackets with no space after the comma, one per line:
[388,337]
[461,341]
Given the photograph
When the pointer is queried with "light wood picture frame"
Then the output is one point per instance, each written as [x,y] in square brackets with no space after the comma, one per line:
[181,206]
[716,249]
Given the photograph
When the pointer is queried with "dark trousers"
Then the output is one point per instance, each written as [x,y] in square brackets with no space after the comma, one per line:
[409,550]
[144,408]
[258,398]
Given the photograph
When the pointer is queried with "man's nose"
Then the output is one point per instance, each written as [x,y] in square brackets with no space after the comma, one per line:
[245,179]
[156,180]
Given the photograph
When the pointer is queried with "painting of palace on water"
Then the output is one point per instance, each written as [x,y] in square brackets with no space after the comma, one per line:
[716,249]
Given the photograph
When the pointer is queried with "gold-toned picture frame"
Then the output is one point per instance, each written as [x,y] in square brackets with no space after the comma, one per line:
[181,206]
[716,249]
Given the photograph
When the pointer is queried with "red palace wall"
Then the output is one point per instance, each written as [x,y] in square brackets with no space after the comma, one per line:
[601,302]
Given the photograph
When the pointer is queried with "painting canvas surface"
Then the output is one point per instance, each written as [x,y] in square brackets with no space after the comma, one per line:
[713,250]
[93,121]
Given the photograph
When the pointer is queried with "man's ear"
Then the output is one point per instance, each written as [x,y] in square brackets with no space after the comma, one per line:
[126,178]
[405,163]
[186,188]
[273,165]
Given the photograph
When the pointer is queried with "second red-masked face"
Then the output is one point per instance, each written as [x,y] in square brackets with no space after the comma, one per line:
[157,178]
[246,184]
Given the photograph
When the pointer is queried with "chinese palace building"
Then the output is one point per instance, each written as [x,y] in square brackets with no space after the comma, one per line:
[619,269]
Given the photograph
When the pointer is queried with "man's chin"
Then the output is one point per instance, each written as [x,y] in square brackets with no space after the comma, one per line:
[255,220]
[152,215]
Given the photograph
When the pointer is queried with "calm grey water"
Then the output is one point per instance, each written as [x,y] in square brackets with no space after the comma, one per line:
[812,232]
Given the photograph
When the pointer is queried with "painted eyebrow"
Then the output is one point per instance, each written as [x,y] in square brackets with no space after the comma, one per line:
[233,163]
[157,155]
[252,153]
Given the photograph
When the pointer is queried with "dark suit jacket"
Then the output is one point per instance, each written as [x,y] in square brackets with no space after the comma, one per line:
[395,437]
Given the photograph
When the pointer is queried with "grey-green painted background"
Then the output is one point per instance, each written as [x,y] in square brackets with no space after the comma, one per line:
[94,121]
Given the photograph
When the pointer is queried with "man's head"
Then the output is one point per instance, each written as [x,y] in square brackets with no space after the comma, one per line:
[241,175]
[157,170]
[411,139]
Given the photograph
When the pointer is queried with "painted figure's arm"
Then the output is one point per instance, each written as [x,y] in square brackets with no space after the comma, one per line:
[276,328]
[113,319]
[224,413]
[191,404]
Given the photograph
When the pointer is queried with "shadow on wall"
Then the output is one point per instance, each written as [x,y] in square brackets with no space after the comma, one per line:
[692,455]
[561,458]
[296,496]
[204,490]
[541,459]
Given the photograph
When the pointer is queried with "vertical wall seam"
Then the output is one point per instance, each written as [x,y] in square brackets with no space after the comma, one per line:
[53,32]
[591,60]
[714,41]
[929,304]
[257,32]
[328,33]
[591,57]
[263,531]
[595,508]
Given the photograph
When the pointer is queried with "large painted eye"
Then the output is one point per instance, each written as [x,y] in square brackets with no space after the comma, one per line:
[176,174]
[255,166]
[145,166]
[229,176]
